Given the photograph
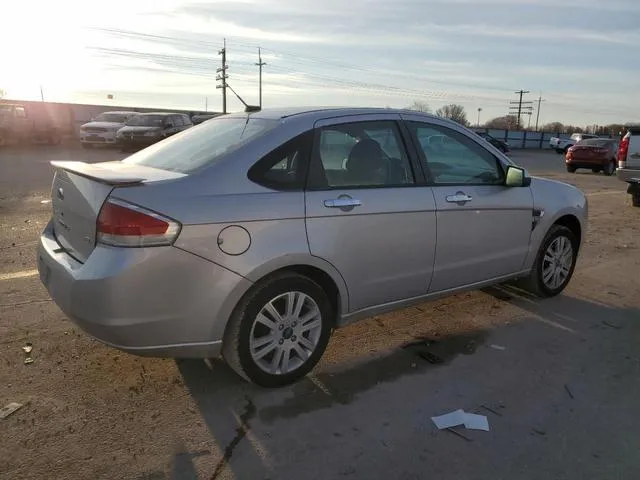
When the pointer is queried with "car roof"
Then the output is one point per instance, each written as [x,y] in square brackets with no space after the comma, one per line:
[121,112]
[324,112]
[159,114]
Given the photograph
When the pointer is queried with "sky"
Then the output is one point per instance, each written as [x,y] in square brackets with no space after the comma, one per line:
[579,56]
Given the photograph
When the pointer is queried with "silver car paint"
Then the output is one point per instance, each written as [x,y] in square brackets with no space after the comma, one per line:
[184,313]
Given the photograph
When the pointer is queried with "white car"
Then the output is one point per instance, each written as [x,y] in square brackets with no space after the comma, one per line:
[562,145]
[102,130]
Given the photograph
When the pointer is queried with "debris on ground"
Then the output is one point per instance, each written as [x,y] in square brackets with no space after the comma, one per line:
[9,409]
[566,387]
[45,201]
[491,410]
[27,348]
[471,421]
[611,325]
[498,347]
[28,360]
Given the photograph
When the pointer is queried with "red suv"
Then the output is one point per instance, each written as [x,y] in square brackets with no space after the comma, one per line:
[598,154]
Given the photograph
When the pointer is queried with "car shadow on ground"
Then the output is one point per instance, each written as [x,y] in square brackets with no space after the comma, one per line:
[229,405]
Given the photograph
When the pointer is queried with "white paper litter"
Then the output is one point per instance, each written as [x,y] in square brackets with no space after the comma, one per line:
[9,409]
[498,347]
[476,422]
[449,420]
[470,421]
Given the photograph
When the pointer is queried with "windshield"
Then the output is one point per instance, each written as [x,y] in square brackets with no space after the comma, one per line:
[596,142]
[146,121]
[202,145]
[111,117]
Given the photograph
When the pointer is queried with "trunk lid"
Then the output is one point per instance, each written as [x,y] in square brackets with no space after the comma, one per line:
[78,193]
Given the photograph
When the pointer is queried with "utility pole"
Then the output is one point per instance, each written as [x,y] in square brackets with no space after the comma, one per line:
[521,106]
[41,93]
[478,122]
[260,64]
[206,104]
[540,100]
[222,76]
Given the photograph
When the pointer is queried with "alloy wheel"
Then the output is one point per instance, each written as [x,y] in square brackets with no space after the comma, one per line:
[285,333]
[557,262]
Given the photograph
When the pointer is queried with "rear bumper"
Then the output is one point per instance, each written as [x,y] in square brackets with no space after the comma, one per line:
[628,175]
[159,301]
[588,162]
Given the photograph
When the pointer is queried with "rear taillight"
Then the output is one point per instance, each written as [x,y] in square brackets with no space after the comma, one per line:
[622,152]
[122,224]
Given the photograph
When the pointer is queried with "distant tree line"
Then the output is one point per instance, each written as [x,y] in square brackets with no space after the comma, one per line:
[458,114]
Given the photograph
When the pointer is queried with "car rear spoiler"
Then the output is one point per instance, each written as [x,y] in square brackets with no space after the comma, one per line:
[116,173]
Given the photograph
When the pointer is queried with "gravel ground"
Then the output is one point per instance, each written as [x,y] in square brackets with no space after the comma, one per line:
[560,392]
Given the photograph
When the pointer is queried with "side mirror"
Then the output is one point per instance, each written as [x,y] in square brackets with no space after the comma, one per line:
[517,177]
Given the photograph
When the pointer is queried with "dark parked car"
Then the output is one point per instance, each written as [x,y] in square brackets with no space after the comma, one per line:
[597,154]
[198,119]
[499,144]
[148,128]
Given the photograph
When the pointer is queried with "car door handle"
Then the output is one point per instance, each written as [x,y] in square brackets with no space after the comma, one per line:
[459,198]
[342,203]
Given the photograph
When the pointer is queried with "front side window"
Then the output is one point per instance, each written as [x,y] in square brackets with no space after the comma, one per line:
[198,147]
[176,120]
[111,117]
[452,158]
[360,154]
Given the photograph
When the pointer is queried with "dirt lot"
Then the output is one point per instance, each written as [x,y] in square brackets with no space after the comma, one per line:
[558,379]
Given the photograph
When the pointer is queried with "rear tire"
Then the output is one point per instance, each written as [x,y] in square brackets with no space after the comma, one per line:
[559,151]
[295,346]
[87,146]
[610,169]
[635,199]
[571,169]
[595,170]
[553,257]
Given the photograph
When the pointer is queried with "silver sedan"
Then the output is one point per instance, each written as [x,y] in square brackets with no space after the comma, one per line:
[255,235]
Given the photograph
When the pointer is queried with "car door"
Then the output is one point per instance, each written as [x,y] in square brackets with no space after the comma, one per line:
[368,211]
[484,227]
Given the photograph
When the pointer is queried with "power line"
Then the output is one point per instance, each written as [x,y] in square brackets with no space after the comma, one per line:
[528,106]
[222,75]
[260,64]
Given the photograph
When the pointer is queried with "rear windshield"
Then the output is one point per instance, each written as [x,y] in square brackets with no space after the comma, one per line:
[146,121]
[202,145]
[596,142]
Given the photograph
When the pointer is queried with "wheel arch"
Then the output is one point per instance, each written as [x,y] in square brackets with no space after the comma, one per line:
[571,222]
[315,268]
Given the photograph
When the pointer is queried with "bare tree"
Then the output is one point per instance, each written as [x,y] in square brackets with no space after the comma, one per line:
[508,122]
[420,106]
[453,112]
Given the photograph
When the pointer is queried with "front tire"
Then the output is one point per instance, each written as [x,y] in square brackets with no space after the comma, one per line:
[554,264]
[279,330]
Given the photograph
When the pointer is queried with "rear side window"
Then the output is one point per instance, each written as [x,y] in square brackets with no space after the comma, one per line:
[285,168]
[187,120]
[203,146]
[176,120]
[20,112]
